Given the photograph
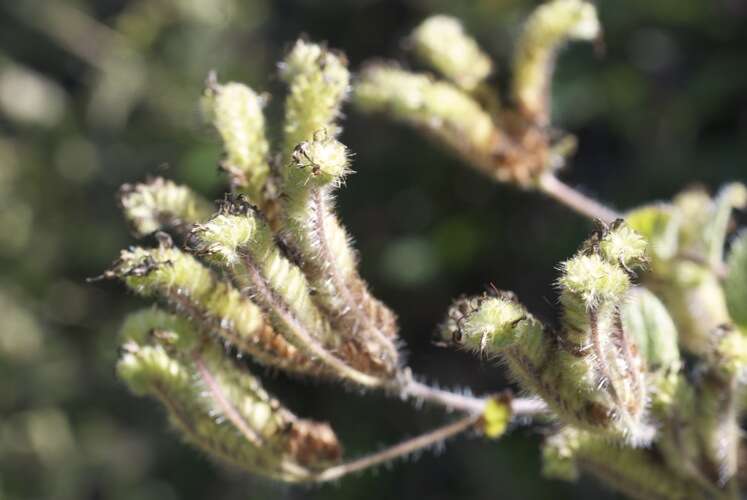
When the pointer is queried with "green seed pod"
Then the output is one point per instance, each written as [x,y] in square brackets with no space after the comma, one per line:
[328,258]
[549,26]
[240,241]
[495,325]
[318,81]
[438,108]
[636,472]
[735,284]
[235,111]
[441,42]
[214,306]
[159,204]
[218,407]
[597,348]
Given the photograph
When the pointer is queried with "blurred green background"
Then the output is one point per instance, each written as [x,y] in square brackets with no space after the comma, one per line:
[94,93]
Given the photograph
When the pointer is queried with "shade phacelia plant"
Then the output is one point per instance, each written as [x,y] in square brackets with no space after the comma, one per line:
[640,384]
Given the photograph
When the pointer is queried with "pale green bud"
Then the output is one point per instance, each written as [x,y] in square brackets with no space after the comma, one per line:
[441,42]
[735,284]
[623,245]
[235,111]
[318,81]
[686,257]
[321,161]
[490,324]
[649,323]
[659,225]
[593,279]
[549,26]
[159,204]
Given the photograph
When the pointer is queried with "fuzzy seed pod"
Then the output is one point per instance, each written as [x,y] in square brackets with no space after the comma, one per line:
[549,26]
[441,42]
[212,305]
[218,407]
[594,285]
[235,111]
[439,108]
[159,204]
[318,81]
[239,240]
[328,258]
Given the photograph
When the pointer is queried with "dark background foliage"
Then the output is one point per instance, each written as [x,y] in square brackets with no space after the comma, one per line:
[94,93]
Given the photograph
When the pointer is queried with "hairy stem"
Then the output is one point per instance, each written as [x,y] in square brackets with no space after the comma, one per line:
[399,450]
[452,401]
[575,200]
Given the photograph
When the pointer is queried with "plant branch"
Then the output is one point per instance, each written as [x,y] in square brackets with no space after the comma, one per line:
[399,450]
[577,201]
[452,401]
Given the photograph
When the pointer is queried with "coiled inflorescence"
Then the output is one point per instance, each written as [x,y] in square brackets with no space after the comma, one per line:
[271,275]
[589,370]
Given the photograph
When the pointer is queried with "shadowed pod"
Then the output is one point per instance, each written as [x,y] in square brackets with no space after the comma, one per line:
[508,140]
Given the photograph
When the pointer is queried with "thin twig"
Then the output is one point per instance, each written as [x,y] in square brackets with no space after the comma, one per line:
[399,450]
[469,404]
[565,194]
